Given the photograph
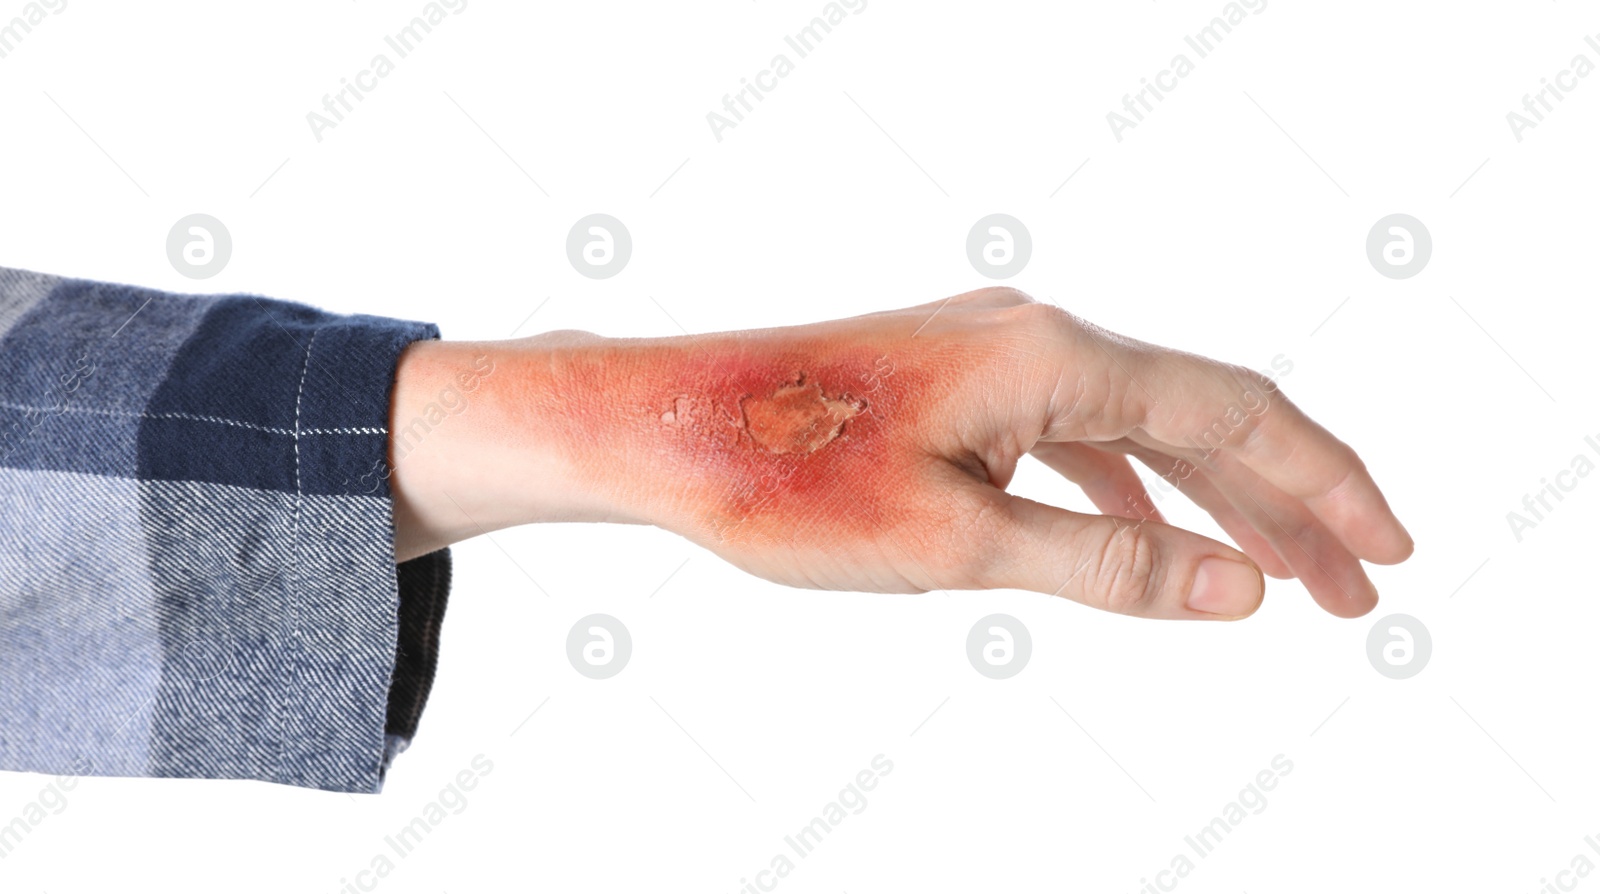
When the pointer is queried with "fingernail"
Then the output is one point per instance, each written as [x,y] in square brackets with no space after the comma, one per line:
[1225,587]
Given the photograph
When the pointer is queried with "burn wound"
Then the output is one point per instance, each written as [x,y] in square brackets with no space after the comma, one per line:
[797,417]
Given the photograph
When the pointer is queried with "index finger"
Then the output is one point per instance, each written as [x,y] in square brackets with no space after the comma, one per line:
[1201,406]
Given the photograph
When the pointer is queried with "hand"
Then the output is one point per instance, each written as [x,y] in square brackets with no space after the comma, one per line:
[873,453]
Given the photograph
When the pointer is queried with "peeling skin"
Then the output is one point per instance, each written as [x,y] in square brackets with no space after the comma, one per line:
[744,438]
[797,417]
[680,413]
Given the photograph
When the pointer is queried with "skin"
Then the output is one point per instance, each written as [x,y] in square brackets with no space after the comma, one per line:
[873,454]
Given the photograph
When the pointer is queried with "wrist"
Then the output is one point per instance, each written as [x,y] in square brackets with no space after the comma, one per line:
[489,435]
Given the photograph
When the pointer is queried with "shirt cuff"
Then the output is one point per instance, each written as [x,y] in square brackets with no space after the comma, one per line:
[201,579]
[344,644]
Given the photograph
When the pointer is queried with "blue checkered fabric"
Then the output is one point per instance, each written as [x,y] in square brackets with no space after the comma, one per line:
[197,570]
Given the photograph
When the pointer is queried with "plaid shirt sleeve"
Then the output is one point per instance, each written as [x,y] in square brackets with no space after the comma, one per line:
[197,569]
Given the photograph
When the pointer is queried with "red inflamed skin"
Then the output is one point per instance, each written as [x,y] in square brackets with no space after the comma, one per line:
[874,453]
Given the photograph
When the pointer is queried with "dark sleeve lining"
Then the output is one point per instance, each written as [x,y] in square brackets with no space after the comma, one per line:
[424,590]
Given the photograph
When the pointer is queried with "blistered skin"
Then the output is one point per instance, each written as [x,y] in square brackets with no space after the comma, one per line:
[797,418]
[753,444]
[786,444]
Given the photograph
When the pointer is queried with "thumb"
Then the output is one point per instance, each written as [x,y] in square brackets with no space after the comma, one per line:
[1142,568]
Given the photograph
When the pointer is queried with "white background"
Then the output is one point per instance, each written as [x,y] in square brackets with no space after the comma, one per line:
[1232,223]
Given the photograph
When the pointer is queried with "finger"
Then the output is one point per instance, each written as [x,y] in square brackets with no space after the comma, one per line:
[1189,401]
[1108,479]
[1141,568]
[1194,483]
[1329,570]
[1329,478]
[1308,549]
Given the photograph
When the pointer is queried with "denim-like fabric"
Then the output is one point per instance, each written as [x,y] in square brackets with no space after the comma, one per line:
[197,571]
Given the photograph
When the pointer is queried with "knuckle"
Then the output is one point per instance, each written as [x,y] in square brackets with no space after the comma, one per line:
[1006,295]
[1297,531]
[1251,397]
[992,297]
[1039,325]
[1041,315]
[1123,570]
[1247,377]
[1257,385]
